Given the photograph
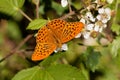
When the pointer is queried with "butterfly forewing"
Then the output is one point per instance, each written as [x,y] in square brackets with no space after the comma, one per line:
[70,30]
[57,27]
[44,35]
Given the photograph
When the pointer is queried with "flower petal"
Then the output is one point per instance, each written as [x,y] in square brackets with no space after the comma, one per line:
[104,21]
[86,35]
[108,17]
[90,26]
[89,15]
[108,11]
[64,47]
[105,25]
[96,28]
[101,29]
[64,3]
[101,10]
[82,20]
[99,17]
[92,19]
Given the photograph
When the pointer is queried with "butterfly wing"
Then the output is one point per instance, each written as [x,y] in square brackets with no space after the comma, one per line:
[71,30]
[45,44]
[43,50]
[57,27]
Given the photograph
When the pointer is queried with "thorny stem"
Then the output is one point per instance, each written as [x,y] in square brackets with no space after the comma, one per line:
[67,15]
[37,9]
[26,16]
[17,48]
[70,9]
[71,13]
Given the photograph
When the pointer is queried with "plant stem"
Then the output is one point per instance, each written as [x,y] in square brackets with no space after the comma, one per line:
[17,48]
[26,16]
[37,9]
[70,9]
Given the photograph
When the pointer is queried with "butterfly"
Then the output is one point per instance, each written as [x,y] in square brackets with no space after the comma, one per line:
[53,35]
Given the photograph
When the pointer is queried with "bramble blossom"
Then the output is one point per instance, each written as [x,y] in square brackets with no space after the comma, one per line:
[104,14]
[95,23]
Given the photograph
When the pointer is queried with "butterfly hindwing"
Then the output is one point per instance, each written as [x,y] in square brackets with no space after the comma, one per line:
[43,50]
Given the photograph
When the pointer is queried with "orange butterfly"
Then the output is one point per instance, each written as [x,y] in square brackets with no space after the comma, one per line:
[53,35]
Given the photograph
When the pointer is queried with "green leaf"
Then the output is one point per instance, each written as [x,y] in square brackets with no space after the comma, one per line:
[10,7]
[34,73]
[55,72]
[65,72]
[116,28]
[115,46]
[37,24]
[41,9]
[59,9]
[91,58]
[52,60]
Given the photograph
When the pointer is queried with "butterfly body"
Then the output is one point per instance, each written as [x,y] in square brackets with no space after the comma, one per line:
[53,35]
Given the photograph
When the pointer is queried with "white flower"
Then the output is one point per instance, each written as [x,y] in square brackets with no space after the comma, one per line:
[90,16]
[63,47]
[96,28]
[86,34]
[101,29]
[82,20]
[89,26]
[64,3]
[104,14]
[99,26]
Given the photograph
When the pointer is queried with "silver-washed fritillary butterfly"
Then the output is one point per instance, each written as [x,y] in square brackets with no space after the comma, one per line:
[53,35]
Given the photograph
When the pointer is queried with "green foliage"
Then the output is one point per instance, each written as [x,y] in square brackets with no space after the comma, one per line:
[10,7]
[52,60]
[91,58]
[36,24]
[115,46]
[55,72]
[41,9]
[59,9]
[116,28]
